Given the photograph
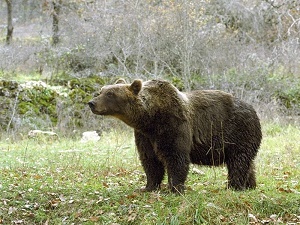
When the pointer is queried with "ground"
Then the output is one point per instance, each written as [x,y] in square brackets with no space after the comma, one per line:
[66,181]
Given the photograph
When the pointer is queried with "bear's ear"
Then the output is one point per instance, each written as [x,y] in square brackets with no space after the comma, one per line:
[136,86]
[120,81]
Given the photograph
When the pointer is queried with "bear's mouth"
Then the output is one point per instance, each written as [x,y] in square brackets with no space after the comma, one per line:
[102,113]
[92,106]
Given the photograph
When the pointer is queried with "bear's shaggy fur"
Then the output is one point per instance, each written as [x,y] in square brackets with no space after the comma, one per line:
[173,129]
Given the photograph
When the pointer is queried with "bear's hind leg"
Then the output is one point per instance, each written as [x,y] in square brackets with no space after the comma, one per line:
[241,174]
[251,181]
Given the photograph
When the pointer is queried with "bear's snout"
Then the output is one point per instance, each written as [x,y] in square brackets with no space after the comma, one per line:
[91,105]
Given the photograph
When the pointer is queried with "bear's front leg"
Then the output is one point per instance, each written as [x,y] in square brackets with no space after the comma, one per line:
[175,155]
[177,169]
[153,167]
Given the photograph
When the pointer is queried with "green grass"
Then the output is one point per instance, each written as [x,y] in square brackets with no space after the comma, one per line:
[65,181]
[20,77]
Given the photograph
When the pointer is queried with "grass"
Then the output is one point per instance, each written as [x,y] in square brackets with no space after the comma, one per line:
[20,77]
[65,181]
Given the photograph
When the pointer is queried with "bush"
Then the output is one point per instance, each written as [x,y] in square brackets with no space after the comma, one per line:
[290,98]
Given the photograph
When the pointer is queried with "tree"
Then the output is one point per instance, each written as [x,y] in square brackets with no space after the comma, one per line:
[10,27]
[55,21]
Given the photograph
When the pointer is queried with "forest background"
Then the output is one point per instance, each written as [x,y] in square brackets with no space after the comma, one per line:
[248,48]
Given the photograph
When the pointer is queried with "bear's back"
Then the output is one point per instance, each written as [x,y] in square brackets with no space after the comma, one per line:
[217,113]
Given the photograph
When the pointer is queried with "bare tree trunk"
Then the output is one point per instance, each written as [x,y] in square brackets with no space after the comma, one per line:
[55,16]
[10,27]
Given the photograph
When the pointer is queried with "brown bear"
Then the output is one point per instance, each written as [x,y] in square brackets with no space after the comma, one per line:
[173,129]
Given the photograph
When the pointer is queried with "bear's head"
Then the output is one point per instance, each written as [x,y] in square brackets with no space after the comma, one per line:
[117,100]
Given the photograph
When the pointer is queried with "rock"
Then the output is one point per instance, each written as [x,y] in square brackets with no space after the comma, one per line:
[90,136]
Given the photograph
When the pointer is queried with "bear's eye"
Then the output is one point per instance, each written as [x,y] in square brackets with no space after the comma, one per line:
[109,94]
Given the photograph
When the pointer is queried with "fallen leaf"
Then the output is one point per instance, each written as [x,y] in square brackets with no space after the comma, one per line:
[31,215]
[252,217]
[78,215]
[286,190]
[27,206]
[18,221]
[37,177]
[100,212]
[47,222]
[197,171]
[62,198]
[54,202]
[222,218]
[94,219]
[265,221]
[11,210]
[273,217]
[132,196]
[131,217]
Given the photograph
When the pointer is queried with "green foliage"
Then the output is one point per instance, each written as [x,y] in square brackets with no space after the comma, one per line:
[178,82]
[286,89]
[289,98]
[88,85]
[38,99]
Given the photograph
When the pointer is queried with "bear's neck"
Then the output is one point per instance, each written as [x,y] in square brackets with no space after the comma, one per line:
[135,120]
[126,120]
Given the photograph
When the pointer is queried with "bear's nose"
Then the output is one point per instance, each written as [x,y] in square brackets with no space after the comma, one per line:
[91,104]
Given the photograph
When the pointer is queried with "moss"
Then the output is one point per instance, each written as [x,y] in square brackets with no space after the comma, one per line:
[82,89]
[90,84]
[289,98]
[47,104]
[77,95]
[9,84]
[39,100]
[8,88]
[24,107]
